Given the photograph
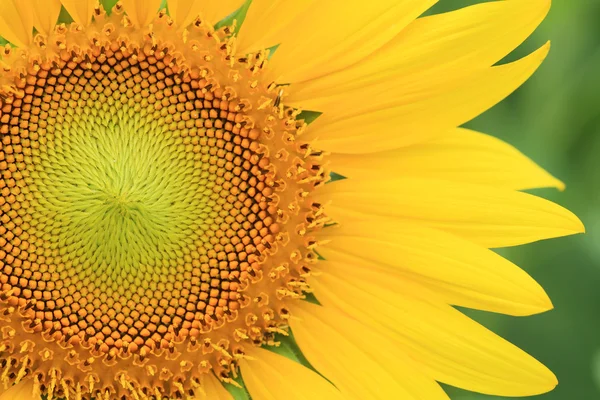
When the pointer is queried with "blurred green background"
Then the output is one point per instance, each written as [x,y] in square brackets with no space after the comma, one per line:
[555,119]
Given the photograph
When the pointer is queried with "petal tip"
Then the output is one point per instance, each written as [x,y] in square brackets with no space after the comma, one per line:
[535,301]
[571,224]
[545,381]
[551,383]
[578,226]
[545,49]
[548,382]
[558,184]
[544,304]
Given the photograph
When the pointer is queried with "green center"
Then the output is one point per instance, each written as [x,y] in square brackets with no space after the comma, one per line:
[120,193]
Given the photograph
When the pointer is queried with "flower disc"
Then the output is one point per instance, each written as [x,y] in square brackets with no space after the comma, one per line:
[154,209]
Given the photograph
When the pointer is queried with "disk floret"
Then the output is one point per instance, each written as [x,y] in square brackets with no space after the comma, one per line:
[156,209]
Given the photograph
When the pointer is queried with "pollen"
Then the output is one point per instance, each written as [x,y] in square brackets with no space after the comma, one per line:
[156,211]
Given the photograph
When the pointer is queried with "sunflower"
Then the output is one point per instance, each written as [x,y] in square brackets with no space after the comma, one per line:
[183,188]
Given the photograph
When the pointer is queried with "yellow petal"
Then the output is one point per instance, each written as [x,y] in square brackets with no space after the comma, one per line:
[184,12]
[462,273]
[362,363]
[16,22]
[80,10]
[433,48]
[334,34]
[265,22]
[212,389]
[486,215]
[273,377]
[216,10]
[389,117]
[141,12]
[45,15]
[461,155]
[21,391]
[450,347]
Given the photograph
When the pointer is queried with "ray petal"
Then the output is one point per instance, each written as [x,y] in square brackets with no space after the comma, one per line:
[21,391]
[441,46]
[45,15]
[464,273]
[16,22]
[401,116]
[141,12]
[80,10]
[450,347]
[362,363]
[485,215]
[216,10]
[460,155]
[335,34]
[272,377]
[265,22]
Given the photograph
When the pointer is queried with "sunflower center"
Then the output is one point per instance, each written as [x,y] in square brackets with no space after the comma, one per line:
[120,199]
[155,210]
[123,192]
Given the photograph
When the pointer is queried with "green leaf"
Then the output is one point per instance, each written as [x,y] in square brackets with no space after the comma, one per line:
[309,116]
[289,348]
[64,17]
[108,5]
[164,5]
[336,177]
[237,392]
[239,15]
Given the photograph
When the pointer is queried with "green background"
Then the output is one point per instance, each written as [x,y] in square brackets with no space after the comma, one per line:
[555,119]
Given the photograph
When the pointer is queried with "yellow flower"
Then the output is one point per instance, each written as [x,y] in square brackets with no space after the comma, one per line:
[166,206]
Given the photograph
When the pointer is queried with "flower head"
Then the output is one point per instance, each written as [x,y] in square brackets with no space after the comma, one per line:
[167,205]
